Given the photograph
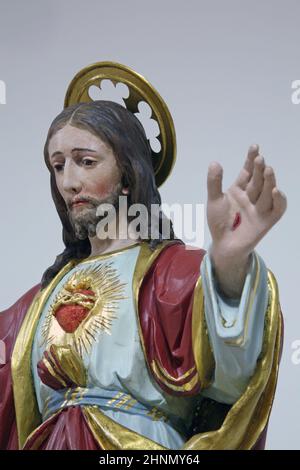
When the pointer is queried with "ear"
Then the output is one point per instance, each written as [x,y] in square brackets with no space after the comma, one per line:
[125,188]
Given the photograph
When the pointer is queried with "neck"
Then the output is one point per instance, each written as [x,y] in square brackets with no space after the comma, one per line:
[120,238]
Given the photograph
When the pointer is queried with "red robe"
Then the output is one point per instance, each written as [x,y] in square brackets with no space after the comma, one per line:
[168,294]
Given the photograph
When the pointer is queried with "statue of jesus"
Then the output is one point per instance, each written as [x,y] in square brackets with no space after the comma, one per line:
[140,342]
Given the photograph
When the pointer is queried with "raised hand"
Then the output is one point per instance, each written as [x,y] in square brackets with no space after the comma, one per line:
[239,218]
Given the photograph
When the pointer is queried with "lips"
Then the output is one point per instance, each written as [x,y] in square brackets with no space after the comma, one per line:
[79,202]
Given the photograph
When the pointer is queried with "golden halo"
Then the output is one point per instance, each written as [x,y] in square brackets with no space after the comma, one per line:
[139,90]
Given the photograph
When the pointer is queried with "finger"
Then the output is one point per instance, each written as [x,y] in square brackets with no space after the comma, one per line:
[253,152]
[243,179]
[256,183]
[279,203]
[214,181]
[265,200]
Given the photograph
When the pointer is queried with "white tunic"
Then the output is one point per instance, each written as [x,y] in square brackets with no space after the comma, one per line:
[118,379]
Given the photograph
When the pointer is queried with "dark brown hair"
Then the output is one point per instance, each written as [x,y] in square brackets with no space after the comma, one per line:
[124,133]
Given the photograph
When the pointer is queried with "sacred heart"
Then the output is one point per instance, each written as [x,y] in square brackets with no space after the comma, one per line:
[71,315]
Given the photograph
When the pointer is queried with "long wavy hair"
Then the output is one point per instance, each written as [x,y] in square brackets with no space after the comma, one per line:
[124,133]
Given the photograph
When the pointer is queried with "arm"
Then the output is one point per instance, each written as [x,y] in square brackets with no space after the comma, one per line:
[234,278]
[235,328]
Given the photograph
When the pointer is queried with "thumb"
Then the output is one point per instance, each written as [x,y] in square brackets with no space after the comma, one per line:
[214,181]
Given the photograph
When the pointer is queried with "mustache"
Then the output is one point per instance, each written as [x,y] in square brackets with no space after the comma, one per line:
[90,200]
[96,201]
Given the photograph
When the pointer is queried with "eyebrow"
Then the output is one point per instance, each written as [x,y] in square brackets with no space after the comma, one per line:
[76,149]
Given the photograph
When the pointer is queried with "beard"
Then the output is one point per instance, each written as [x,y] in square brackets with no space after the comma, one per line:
[84,223]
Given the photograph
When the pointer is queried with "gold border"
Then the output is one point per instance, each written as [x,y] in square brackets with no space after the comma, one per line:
[27,413]
[164,373]
[109,253]
[186,387]
[249,416]
[113,436]
[144,262]
[203,354]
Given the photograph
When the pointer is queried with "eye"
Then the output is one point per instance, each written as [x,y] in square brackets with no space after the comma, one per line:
[58,167]
[88,162]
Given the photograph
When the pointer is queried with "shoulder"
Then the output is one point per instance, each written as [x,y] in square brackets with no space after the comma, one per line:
[175,269]
[179,260]
[11,318]
[179,251]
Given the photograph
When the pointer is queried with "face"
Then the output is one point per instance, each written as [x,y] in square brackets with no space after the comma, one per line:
[86,174]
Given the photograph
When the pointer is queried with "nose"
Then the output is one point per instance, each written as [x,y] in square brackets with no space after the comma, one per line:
[71,178]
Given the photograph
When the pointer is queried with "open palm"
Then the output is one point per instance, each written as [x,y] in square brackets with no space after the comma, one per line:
[239,218]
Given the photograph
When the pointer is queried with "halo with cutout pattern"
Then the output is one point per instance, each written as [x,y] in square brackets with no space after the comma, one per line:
[140,90]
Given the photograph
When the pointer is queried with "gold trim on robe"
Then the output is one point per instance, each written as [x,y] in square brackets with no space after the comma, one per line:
[27,413]
[111,435]
[186,387]
[203,354]
[249,416]
[145,260]
[244,422]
